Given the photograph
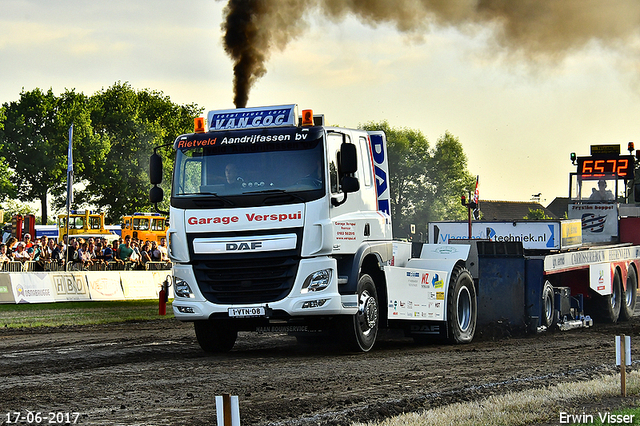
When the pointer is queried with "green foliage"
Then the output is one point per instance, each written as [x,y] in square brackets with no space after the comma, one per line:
[114,133]
[35,140]
[131,123]
[13,207]
[537,214]
[425,184]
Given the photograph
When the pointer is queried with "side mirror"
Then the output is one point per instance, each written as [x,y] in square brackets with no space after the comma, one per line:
[155,169]
[156,194]
[350,184]
[348,158]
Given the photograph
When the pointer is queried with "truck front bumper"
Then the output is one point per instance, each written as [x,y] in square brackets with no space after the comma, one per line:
[299,303]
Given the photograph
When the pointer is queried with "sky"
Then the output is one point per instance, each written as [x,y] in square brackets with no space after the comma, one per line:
[518,111]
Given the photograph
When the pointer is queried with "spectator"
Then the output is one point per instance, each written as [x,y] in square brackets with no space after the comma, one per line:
[71,253]
[107,252]
[125,250]
[163,250]
[3,254]
[57,254]
[35,251]
[155,254]
[146,252]
[135,255]
[83,255]
[26,238]
[20,253]
[12,242]
[115,251]
[97,255]
[51,244]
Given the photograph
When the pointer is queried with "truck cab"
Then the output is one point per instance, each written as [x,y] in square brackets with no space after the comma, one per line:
[144,226]
[275,218]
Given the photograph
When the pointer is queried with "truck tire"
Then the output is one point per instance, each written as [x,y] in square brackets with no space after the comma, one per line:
[607,308]
[358,332]
[215,336]
[462,307]
[548,308]
[630,295]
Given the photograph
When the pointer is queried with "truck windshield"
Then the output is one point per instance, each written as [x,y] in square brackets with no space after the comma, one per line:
[241,163]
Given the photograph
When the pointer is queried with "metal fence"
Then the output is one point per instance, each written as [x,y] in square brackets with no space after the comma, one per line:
[32,266]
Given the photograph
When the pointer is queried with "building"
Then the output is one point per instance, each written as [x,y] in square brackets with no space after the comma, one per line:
[512,210]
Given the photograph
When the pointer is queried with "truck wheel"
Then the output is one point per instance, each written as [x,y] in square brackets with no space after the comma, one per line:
[608,307]
[359,332]
[462,307]
[548,310]
[630,295]
[215,336]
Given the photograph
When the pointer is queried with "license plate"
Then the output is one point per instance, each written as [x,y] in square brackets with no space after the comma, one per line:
[247,312]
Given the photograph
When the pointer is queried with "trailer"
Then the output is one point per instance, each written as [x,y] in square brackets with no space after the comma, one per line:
[576,270]
[280,223]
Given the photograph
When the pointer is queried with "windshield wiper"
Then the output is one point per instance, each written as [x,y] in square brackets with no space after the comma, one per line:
[215,195]
[276,191]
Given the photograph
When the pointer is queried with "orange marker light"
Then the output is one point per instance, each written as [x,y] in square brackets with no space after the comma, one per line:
[307,117]
[198,125]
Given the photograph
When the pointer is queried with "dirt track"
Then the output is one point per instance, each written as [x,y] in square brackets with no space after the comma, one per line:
[154,373]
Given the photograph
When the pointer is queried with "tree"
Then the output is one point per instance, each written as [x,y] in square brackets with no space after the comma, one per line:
[35,141]
[537,214]
[425,184]
[12,208]
[132,123]
[7,188]
[438,196]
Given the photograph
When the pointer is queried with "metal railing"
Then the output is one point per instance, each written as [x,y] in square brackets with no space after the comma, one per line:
[38,266]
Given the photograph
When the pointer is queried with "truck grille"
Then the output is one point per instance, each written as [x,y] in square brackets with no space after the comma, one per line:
[245,281]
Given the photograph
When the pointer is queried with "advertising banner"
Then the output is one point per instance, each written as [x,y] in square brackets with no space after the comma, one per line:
[599,221]
[421,295]
[104,286]
[69,286]
[45,287]
[31,288]
[536,235]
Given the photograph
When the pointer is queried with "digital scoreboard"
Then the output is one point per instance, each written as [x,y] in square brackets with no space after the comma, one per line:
[600,166]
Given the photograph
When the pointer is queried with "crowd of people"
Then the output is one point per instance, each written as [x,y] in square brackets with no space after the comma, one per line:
[81,253]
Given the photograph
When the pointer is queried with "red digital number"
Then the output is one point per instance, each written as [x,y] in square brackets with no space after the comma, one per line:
[587,167]
[598,166]
[622,167]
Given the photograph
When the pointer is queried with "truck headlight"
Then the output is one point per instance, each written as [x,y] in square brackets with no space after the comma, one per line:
[317,281]
[181,288]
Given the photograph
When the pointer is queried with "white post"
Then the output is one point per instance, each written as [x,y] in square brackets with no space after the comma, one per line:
[227,410]
[623,358]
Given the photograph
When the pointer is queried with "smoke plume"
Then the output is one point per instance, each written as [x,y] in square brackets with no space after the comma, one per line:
[532,29]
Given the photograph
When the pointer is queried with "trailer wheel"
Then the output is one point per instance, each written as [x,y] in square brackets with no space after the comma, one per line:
[630,295]
[608,307]
[358,332]
[462,307]
[548,309]
[215,336]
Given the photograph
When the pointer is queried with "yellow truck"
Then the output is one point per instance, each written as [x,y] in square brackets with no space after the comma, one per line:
[85,224]
[145,226]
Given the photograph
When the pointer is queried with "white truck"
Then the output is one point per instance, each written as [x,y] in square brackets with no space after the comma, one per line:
[281,224]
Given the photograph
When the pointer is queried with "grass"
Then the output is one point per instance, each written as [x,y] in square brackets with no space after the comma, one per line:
[529,407]
[78,313]
[630,413]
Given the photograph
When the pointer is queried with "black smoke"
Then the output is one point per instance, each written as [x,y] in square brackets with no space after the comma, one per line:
[529,29]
